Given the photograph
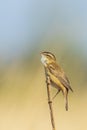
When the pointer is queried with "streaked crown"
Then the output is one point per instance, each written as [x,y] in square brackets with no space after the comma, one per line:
[49,55]
[47,58]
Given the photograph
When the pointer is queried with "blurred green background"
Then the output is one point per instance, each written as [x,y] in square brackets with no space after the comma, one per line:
[27,28]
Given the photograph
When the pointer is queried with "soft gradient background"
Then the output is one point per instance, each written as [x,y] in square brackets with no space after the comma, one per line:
[28,27]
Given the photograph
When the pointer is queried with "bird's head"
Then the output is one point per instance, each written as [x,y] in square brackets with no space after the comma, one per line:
[47,58]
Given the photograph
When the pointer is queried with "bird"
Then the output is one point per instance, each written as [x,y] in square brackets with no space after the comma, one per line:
[57,76]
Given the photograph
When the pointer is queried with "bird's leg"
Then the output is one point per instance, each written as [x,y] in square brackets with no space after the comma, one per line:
[47,80]
[56,94]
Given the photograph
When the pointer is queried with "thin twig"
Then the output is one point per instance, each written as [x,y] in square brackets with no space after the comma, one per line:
[50,101]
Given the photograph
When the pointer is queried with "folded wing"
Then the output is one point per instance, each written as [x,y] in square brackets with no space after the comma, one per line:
[59,73]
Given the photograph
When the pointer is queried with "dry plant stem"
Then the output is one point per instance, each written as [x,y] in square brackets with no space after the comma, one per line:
[50,102]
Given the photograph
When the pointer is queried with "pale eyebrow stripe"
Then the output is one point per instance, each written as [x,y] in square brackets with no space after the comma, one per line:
[49,54]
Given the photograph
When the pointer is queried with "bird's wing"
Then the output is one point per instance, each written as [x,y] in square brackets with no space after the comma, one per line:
[59,73]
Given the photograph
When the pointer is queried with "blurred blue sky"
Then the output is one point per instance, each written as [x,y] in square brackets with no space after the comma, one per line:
[22,22]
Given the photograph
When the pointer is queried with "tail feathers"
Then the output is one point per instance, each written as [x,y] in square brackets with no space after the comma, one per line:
[66,101]
[66,106]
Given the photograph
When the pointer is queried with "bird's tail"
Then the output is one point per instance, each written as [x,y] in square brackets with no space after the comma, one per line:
[66,100]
